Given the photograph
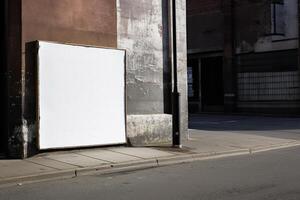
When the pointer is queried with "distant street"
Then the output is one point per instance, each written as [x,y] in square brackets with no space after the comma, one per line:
[277,127]
[272,175]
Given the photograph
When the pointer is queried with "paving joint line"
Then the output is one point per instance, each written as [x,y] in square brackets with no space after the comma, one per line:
[30,161]
[107,161]
[78,166]
[127,154]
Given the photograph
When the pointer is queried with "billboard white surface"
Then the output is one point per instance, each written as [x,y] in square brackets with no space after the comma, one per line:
[81,96]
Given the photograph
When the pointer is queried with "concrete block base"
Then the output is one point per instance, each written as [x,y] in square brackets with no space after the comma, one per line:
[149,130]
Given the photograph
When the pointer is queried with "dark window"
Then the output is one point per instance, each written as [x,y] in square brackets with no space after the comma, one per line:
[193,79]
[278,17]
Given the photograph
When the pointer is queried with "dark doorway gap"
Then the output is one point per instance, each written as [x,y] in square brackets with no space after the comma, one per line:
[212,91]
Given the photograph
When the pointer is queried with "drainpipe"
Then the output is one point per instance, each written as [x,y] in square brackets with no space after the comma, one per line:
[175,94]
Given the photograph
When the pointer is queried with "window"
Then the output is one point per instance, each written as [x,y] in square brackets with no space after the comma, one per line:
[277,17]
[190,82]
[193,79]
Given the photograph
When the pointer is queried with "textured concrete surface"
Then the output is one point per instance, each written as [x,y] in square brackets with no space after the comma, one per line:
[76,159]
[149,129]
[140,33]
[214,132]
[211,137]
[58,165]
[108,155]
[273,127]
[143,153]
[182,64]
[211,141]
[266,176]
[148,65]
[15,168]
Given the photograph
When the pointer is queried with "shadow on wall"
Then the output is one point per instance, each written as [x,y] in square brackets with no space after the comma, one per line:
[3,91]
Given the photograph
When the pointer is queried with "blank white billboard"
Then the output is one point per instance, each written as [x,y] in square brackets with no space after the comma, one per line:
[81,96]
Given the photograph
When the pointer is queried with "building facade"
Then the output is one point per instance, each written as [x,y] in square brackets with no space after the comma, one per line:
[243,56]
[142,28]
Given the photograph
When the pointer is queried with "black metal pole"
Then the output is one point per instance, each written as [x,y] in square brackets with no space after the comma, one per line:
[175,94]
[298,44]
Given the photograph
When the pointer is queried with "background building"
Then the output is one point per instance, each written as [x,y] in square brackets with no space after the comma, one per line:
[140,27]
[243,56]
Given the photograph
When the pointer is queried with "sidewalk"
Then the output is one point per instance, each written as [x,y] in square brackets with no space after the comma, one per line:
[201,145]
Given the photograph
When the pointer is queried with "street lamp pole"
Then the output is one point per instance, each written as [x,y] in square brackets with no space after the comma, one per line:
[175,94]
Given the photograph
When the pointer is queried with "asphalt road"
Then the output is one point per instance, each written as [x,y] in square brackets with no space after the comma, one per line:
[273,175]
[278,127]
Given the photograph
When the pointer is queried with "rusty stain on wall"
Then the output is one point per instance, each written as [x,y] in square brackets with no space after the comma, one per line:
[90,22]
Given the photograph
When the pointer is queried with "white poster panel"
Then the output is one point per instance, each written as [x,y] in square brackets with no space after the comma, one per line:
[81,96]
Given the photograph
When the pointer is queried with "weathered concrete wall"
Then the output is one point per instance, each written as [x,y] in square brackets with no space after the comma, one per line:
[182,64]
[151,130]
[141,33]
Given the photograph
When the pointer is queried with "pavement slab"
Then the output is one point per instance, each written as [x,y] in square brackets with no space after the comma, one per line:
[212,141]
[76,159]
[109,156]
[15,168]
[51,163]
[211,136]
[144,153]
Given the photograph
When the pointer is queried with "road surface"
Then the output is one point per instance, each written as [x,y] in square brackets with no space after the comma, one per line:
[272,175]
